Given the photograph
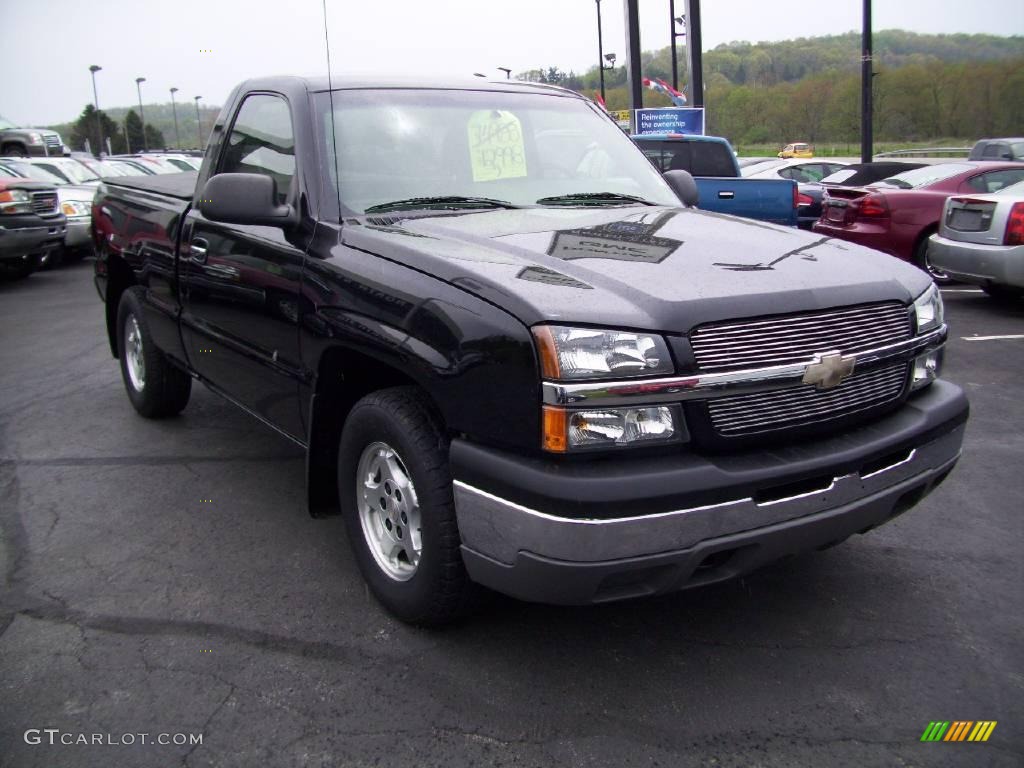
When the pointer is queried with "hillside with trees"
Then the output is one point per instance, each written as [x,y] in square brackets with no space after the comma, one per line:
[159,126]
[927,87]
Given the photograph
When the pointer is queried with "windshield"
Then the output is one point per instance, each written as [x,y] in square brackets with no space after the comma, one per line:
[72,169]
[922,177]
[5,123]
[32,171]
[514,148]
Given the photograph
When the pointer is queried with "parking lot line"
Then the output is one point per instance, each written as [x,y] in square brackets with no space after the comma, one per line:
[993,338]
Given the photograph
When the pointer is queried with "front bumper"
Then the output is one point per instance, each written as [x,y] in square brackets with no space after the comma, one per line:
[15,243]
[78,234]
[978,263]
[543,531]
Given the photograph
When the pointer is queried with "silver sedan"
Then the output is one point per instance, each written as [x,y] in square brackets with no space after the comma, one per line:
[981,241]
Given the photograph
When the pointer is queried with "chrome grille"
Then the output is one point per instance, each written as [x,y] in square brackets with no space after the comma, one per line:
[44,202]
[803,404]
[52,140]
[789,339]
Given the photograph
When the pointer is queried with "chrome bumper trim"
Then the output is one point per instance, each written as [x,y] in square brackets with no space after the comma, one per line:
[500,529]
[704,386]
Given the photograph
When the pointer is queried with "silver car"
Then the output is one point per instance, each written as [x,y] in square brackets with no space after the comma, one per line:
[981,241]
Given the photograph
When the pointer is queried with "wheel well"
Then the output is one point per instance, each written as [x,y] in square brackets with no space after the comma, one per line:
[922,237]
[119,279]
[343,377]
[8,144]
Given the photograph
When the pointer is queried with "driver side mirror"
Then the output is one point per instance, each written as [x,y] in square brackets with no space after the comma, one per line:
[244,198]
[684,186]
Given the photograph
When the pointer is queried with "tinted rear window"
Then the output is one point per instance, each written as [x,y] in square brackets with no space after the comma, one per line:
[928,174]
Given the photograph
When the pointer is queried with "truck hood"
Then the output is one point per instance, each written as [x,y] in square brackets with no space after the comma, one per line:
[645,267]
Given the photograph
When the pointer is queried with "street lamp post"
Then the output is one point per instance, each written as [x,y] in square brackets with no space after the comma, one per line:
[199,124]
[174,108]
[96,104]
[507,71]
[138,85]
[681,21]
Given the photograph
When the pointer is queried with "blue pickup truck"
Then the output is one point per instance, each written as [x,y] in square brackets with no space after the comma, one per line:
[712,163]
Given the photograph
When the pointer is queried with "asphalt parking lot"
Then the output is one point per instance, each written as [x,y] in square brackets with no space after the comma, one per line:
[164,578]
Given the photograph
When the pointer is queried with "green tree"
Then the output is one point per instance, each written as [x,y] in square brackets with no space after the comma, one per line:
[87,127]
[154,137]
[133,127]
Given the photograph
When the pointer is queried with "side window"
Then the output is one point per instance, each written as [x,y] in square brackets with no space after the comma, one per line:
[993,181]
[991,151]
[712,159]
[261,141]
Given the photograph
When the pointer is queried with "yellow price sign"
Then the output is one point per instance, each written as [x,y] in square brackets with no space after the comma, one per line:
[622,115]
[496,148]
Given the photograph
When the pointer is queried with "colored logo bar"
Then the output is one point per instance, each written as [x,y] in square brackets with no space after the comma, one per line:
[959,730]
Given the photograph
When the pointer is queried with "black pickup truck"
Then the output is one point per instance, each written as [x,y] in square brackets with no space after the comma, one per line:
[515,354]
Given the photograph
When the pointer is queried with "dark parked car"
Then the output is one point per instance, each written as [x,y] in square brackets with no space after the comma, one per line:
[998,149]
[23,142]
[540,373]
[31,225]
[897,215]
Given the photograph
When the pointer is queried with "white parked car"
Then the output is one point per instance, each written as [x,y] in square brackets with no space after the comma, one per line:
[981,241]
[799,170]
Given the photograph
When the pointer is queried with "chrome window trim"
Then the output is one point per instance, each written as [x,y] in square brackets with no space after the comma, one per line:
[705,386]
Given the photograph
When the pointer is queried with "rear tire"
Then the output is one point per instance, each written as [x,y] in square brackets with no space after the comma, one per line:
[923,262]
[156,388]
[393,472]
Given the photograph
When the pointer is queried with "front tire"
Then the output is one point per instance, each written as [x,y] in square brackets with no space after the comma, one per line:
[395,488]
[156,388]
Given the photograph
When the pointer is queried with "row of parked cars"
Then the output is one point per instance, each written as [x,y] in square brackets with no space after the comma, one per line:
[961,220]
[46,202]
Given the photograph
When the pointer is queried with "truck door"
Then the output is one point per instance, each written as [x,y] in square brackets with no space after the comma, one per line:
[241,282]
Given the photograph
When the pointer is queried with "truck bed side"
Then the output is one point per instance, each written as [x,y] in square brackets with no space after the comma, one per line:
[769,200]
[136,230]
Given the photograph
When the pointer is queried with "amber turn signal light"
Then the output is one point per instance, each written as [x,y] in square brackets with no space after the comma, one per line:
[555,439]
[549,367]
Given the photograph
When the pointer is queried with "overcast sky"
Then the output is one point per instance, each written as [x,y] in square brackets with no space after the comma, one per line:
[49,44]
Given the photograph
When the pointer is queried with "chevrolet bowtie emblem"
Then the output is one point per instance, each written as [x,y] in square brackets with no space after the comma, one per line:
[829,371]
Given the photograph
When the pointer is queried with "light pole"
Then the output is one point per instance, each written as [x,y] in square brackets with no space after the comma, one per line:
[127,141]
[96,104]
[199,124]
[138,85]
[174,108]
[681,21]
[600,49]
[507,71]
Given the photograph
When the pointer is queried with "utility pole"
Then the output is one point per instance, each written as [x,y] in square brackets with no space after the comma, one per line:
[633,62]
[867,108]
[199,123]
[96,103]
[138,85]
[600,49]
[694,58]
[174,109]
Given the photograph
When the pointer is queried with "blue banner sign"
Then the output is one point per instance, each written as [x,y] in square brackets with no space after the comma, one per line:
[670,120]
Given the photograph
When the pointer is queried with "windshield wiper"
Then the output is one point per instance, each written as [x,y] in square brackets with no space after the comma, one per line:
[593,198]
[450,202]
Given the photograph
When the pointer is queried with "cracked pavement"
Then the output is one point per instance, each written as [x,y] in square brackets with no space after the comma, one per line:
[131,606]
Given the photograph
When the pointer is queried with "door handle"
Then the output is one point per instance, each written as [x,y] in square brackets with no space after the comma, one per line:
[197,249]
[726,194]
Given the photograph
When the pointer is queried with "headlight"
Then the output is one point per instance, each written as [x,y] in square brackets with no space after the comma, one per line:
[35,138]
[15,201]
[73,208]
[928,310]
[611,428]
[589,353]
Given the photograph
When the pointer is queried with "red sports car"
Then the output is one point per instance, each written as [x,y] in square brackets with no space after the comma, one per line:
[897,215]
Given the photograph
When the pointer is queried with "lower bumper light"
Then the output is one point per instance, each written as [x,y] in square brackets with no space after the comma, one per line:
[612,428]
[927,368]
